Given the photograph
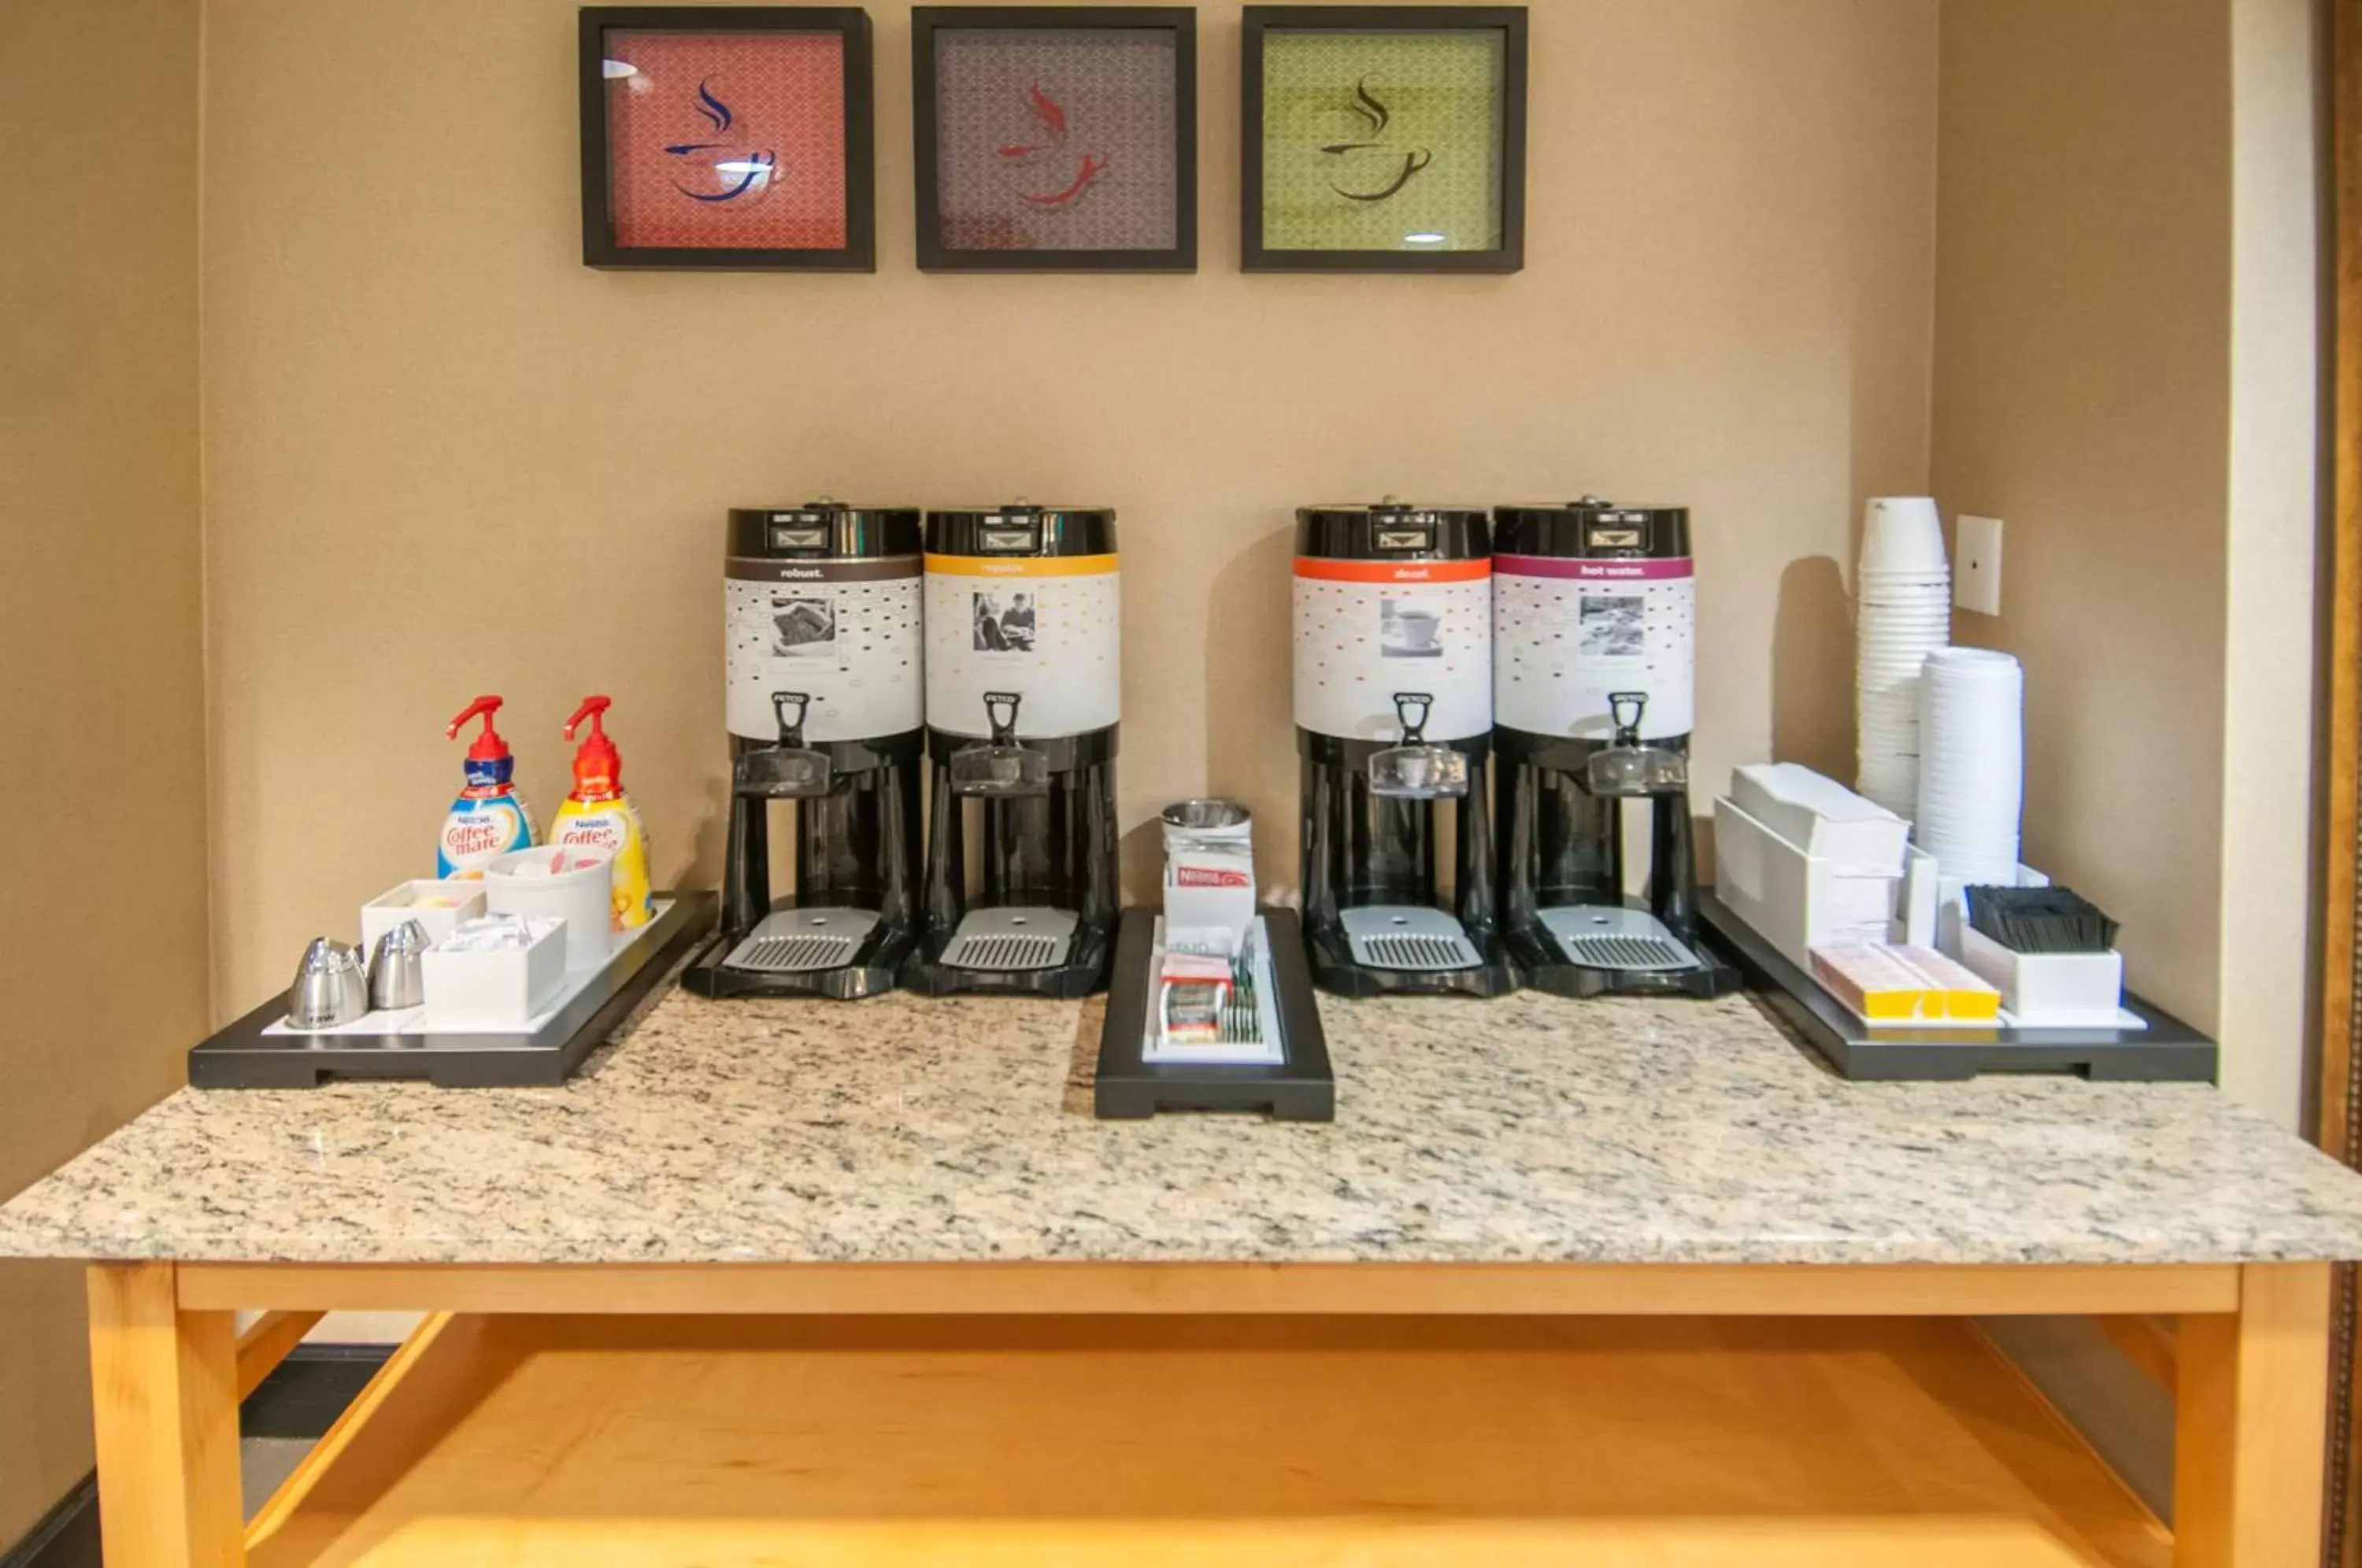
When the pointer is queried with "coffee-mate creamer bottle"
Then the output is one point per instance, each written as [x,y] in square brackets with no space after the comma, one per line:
[599,813]
[489,818]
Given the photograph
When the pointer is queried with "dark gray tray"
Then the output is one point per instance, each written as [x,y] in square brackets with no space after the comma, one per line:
[1301,1088]
[243,1056]
[2168,1051]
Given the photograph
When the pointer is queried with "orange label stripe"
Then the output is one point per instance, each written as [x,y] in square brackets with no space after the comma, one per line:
[1329,570]
[1020,566]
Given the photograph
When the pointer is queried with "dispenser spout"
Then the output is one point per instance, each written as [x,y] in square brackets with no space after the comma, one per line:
[1628,765]
[1417,769]
[1003,765]
[1625,709]
[788,708]
[1412,709]
[1000,713]
[790,769]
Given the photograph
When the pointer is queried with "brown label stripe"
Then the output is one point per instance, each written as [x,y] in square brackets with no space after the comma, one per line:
[879,569]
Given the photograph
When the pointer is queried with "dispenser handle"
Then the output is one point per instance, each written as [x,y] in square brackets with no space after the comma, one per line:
[485,706]
[1001,711]
[1414,725]
[789,706]
[593,709]
[1627,729]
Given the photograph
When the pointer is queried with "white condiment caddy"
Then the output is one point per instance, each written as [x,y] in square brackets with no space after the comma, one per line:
[500,990]
[401,902]
[1799,902]
[573,884]
[497,988]
[2050,991]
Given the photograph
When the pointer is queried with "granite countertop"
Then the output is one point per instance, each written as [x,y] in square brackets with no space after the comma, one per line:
[1527,1128]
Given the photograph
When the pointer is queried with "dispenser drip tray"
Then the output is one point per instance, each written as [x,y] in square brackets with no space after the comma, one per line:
[1409,936]
[1008,939]
[1608,936]
[801,942]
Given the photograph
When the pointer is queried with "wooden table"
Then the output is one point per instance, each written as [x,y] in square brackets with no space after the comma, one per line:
[1631,1282]
[1377,1341]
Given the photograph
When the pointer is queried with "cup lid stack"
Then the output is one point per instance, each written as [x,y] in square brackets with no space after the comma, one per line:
[1972,766]
[1902,591]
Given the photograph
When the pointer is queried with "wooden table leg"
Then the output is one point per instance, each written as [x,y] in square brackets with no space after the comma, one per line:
[164,1400]
[2251,1425]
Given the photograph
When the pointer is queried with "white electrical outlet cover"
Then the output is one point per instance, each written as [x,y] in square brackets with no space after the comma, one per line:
[1976,566]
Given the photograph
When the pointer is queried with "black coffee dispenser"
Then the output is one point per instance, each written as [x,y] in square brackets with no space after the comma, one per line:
[1595,688]
[1024,697]
[1394,716]
[824,705]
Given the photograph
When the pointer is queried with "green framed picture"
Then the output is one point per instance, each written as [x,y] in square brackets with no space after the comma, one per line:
[1385,139]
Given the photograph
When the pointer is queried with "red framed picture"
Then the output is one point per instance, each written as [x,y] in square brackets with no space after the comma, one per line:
[728,136]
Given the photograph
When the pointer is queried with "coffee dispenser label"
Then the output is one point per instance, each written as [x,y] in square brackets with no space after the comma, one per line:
[1569,632]
[844,633]
[1046,627]
[1365,631]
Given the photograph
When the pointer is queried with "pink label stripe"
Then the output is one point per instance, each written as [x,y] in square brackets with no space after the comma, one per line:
[1592,570]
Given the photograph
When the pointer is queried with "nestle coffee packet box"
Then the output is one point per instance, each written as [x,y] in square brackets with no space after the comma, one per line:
[1209,887]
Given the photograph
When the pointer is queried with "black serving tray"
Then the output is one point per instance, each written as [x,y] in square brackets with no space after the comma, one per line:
[1301,1088]
[2168,1051]
[243,1056]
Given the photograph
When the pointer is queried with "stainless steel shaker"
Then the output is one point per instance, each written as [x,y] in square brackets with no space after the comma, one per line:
[397,971]
[329,987]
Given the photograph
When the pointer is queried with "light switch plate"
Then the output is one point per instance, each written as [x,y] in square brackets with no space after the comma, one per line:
[1976,565]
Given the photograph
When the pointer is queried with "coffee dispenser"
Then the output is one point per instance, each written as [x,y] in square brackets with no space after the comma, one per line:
[1394,721]
[824,708]
[1024,691]
[1595,630]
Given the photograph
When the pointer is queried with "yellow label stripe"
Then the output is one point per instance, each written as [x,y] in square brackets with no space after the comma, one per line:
[1020,566]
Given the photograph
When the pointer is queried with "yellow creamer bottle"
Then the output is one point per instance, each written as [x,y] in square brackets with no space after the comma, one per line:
[599,813]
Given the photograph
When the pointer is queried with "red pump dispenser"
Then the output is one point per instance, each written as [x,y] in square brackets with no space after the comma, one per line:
[598,812]
[489,819]
[488,747]
[597,767]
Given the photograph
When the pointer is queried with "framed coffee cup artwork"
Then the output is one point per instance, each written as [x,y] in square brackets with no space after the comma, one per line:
[1383,138]
[728,136]
[1055,138]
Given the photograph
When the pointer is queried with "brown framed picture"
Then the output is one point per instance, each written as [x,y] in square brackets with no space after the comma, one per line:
[1055,138]
[1383,138]
[730,137]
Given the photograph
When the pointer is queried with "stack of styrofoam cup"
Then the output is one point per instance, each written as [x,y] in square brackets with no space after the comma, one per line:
[1971,763]
[1902,592]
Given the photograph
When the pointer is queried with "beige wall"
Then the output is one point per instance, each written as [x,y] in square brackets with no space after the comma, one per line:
[444,458]
[102,908]
[2082,394]
[2125,324]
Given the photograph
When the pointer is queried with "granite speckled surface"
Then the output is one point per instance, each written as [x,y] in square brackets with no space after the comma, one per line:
[1524,1129]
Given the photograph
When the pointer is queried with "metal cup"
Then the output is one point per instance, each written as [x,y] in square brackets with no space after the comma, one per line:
[1213,818]
[1189,825]
[329,987]
[397,975]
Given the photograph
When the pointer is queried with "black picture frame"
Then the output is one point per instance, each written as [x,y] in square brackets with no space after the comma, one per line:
[927,21]
[600,249]
[1257,22]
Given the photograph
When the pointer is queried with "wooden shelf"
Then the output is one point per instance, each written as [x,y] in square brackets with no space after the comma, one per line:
[655,1443]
